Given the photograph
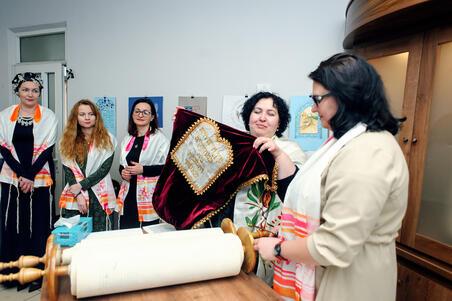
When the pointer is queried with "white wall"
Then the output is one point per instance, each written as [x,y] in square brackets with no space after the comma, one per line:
[180,48]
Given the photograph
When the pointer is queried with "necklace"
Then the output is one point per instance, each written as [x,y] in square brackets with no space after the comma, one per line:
[25,121]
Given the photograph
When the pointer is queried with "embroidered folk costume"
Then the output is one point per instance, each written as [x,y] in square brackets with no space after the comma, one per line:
[97,186]
[207,165]
[135,197]
[26,144]
[257,209]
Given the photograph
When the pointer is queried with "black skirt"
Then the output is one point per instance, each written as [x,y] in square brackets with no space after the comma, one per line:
[24,228]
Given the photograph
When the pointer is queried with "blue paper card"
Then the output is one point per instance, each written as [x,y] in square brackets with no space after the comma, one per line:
[107,108]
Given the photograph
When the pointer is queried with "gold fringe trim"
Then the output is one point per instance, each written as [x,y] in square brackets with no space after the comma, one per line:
[274,184]
[253,181]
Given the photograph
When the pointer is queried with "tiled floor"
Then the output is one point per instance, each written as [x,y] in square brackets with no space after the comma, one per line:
[11,294]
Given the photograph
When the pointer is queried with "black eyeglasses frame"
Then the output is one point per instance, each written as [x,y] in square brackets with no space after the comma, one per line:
[318,98]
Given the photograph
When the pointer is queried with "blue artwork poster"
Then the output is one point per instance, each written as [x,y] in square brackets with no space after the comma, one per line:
[158,103]
[107,108]
[305,126]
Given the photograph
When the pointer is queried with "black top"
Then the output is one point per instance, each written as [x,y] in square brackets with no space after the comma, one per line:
[23,142]
[284,183]
[130,216]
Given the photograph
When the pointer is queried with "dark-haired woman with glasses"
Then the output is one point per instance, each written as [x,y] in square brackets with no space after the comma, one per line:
[143,154]
[343,208]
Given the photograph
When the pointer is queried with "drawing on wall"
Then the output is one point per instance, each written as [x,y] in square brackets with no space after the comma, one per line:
[197,104]
[305,126]
[158,103]
[107,108]
[232,108]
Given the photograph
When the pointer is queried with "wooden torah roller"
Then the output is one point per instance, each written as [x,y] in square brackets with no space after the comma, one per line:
[29,274]
[28,261]
[247,238]
[181,242]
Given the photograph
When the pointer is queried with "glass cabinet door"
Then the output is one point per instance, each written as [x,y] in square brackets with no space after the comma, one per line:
[435,214]
[398,63]
[392,69]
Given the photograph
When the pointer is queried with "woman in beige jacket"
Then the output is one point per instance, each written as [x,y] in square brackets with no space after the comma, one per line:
[343,208]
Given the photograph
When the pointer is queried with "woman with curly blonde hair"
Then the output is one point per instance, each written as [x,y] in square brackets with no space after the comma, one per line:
[87,151]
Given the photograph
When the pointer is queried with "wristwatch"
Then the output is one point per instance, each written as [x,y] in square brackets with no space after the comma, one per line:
[277,250]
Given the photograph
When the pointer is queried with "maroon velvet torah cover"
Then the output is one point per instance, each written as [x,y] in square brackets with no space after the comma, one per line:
[208,163]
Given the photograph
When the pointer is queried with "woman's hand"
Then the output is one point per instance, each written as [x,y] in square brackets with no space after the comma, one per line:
[125,174]
[286,166]
[265,247]
[25,184]
[265,143]
[135,169]
[82,204]
[75,189]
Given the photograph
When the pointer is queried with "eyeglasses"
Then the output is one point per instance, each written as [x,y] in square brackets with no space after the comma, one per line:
[318,98]
[144,112]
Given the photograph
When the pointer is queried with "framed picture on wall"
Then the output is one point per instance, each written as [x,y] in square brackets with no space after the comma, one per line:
[197,104]
[305,126]
[232,108]
[107,108]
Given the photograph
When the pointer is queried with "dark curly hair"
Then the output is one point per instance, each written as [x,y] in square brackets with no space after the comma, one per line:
[359,93]
[132,127]
[278,103]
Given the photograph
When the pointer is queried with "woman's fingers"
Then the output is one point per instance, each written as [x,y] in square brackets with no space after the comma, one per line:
[129,171]
[125,173]
[256,245]
[82,204]
[263,145]
[259,142]
[26,186]
[82,207]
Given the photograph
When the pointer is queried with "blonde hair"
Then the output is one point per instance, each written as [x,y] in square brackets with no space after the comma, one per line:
[73,144]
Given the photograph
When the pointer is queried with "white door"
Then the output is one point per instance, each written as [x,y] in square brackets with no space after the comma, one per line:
[52,97]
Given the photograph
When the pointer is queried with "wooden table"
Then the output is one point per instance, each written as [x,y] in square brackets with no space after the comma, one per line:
[241,287]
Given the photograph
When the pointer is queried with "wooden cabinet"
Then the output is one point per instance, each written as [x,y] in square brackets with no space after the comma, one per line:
[415,286]
[409,42]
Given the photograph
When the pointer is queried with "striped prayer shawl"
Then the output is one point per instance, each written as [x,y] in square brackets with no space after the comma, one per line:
[103,190]
[44,136]
[154,151]
[301,217]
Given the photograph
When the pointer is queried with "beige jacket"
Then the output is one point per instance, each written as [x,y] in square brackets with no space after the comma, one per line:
[364,192]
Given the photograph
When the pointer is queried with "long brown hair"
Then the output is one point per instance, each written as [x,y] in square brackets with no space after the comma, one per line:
[73,145]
